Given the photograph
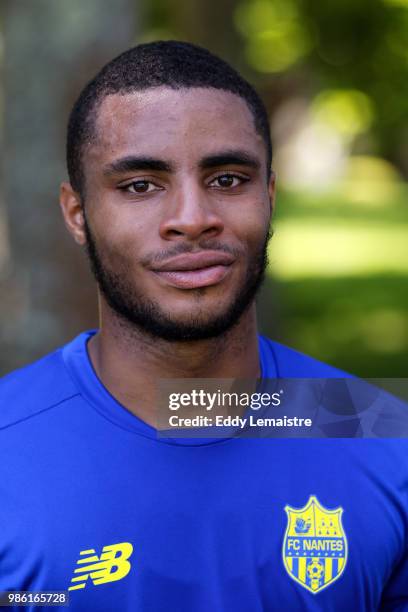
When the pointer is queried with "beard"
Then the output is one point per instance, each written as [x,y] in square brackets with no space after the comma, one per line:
[137,310]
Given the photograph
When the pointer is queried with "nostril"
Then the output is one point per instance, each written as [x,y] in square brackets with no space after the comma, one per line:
[173,232]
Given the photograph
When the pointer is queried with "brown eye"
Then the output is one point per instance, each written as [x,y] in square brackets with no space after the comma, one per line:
[227,181]
[139,186]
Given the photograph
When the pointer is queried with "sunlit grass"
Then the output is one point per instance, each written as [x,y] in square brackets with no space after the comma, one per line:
[311,248]
[333,236]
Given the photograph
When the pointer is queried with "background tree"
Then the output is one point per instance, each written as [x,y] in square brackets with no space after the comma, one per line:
[50,50]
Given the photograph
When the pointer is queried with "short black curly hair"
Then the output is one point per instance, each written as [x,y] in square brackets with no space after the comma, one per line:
[169,63]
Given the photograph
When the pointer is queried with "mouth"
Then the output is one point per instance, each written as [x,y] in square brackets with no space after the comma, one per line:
[195,270]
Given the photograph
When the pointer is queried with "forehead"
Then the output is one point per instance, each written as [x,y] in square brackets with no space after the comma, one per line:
[183,123]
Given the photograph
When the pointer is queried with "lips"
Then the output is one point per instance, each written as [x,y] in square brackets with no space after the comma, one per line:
[195,270]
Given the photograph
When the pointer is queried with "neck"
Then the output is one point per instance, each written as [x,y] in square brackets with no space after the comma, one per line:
[129,362]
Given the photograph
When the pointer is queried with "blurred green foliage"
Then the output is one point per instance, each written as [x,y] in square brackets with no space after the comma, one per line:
[341,44]
[358,324]
[276,35]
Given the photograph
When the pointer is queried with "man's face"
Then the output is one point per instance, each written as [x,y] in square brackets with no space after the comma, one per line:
[177,209]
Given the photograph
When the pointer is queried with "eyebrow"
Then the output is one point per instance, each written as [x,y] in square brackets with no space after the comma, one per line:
[132,163]
[230,158]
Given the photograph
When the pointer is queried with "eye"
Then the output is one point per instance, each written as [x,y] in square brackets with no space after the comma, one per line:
[227,181]
[140,186]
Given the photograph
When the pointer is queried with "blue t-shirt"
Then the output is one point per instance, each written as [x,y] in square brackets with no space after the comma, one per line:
[91,500]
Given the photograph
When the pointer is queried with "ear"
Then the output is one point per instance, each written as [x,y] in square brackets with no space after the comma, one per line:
[72,211]
[272,190]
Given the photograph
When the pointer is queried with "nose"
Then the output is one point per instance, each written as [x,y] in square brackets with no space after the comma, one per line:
[190,215]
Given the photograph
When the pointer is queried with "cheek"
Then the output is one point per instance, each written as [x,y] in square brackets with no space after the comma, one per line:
[121,236]
[250,223]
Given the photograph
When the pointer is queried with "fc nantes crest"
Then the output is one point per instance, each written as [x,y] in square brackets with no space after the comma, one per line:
[315,545]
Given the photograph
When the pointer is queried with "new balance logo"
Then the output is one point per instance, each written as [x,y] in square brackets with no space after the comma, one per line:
[112,565]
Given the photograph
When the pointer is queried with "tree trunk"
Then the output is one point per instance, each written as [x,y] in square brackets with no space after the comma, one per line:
[52,48]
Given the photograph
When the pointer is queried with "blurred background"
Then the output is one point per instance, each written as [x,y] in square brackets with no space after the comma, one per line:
[334,77]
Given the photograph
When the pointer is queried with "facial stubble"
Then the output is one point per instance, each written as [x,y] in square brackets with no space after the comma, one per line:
[137,310]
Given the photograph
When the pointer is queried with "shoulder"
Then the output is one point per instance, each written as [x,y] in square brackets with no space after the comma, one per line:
[281,361]
[34,388]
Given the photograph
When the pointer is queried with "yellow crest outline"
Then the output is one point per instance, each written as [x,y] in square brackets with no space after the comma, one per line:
[338,512]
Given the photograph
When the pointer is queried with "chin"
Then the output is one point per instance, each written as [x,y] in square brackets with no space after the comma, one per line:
[191,327]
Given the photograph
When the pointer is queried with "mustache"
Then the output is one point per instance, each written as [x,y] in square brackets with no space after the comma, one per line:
[183,248]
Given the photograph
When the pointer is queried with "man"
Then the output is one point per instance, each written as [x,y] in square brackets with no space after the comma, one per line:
[171,193]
